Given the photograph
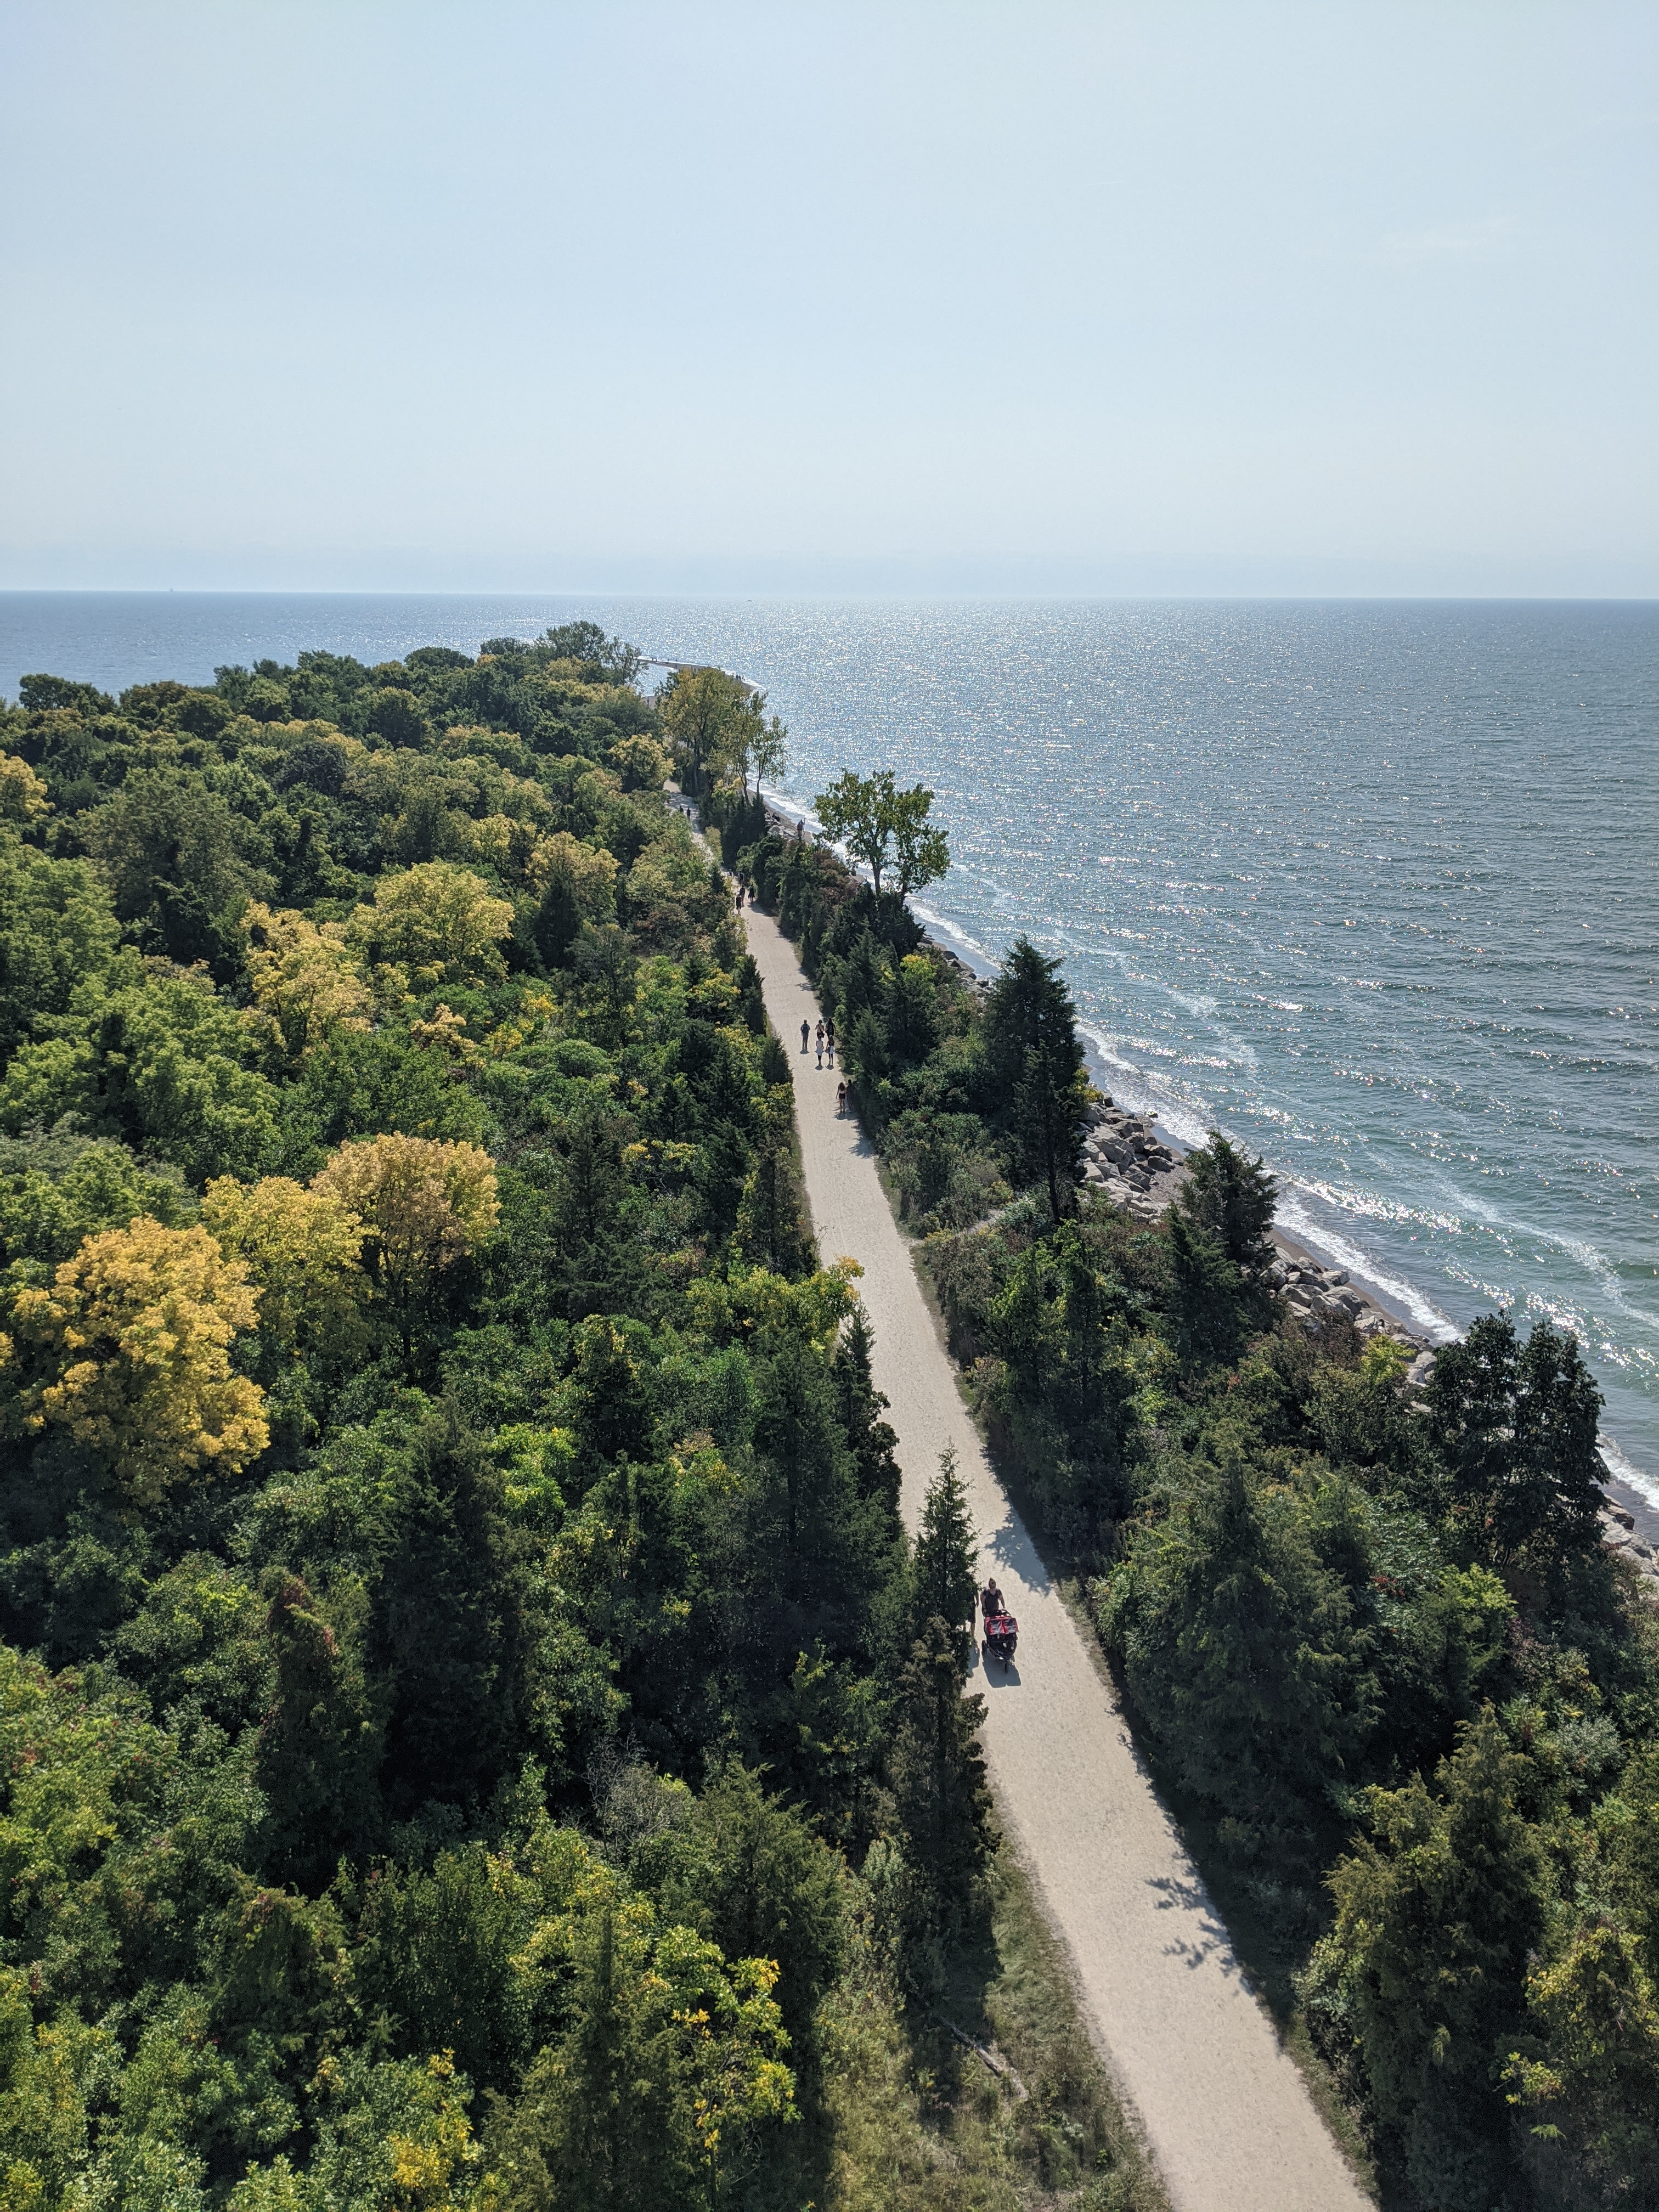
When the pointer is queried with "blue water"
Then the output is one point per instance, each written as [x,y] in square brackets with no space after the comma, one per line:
[1372,886]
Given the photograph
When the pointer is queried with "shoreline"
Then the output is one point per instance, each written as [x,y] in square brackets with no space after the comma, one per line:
[1639,1513]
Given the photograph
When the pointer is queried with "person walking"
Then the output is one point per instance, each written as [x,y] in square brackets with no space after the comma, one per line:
[740,897]
[818,1041]
[830,1031]
[840,1098]
[806,1032]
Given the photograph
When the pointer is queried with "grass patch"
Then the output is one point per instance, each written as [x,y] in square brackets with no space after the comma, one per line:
[917,2122]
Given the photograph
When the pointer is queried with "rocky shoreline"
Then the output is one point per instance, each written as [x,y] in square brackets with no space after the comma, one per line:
[1126,1161]
[1131,1166]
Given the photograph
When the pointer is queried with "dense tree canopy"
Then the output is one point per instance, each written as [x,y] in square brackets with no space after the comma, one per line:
[426,1434]
[472,1729]
[1404,1700]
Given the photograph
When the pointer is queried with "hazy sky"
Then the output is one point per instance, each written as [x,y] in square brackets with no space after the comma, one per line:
[1024,296]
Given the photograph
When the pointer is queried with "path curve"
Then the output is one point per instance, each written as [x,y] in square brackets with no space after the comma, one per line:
[1225,2112]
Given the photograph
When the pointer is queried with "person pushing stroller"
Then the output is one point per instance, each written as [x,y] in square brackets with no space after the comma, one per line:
[1001,1629]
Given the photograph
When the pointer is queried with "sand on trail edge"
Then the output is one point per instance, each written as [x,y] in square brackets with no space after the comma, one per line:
[1194,2057]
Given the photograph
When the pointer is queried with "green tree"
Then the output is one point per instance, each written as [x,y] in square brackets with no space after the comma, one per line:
[449,1627]
[437,1949]
[921,853]
[708,717]
[1230,1197]
[1588,2068]
[1436,1912]
[319,1747]
[1207,1306]
[885,828]
[944,1579]
[751,1877]
[673,2057]
[1240,1646]
[769,1217]
[1036,1087]
[857,811]
[1515,1431]
[940,1795]
[179,859]
[57,932]
[872,1441]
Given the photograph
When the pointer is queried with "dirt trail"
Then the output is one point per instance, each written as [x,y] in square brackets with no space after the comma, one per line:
[1225,2112]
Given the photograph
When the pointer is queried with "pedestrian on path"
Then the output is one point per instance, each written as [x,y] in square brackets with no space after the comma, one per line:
[806,1032]
[740,897]
[840,1098]
[830,1031]
[819,1040]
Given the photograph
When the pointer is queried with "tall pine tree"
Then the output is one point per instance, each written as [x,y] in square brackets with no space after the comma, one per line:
[1037,1092]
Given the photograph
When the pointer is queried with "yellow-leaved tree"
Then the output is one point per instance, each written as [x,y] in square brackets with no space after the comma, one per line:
[639,761]
[22,794]
[302,1250]
[437,923]
[423,1205]
[304,980]
[129,1352]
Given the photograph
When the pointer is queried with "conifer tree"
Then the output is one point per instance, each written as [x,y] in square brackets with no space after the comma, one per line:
[1436,1912]
[1209,1294]
[946,1574]
[1515,1432]
[861,1406]
[1230,1197]
[939,1789]
[320,1746]
[1037,1087]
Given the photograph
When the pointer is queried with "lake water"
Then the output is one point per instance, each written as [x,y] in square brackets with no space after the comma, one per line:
[1372,886]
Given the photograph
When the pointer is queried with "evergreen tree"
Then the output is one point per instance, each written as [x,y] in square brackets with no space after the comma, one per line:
[1230,1197]
[1515,1431]
[1240,1646]
[320,1744]
[1037,1090]
[1436,1912]
[448,1627]
[1208,1301]
[939,1789]
[946,1571]
[753,1877]
[860,1407]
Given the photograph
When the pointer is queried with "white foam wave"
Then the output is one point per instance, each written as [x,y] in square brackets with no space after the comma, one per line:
[1624,1470]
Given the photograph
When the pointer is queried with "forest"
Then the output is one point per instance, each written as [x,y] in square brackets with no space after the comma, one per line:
[1404,1704]
[476,1731]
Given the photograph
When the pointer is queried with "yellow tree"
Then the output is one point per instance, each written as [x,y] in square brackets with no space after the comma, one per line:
[302,1250]
[437,922]
[639,761]
[129,1352]
[423,1205]
[588,870]
[304,980]
[22,794]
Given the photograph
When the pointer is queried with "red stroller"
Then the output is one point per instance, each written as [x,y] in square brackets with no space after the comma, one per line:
[1001,1636]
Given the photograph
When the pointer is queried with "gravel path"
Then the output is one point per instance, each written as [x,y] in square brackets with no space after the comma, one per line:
[1225,2112]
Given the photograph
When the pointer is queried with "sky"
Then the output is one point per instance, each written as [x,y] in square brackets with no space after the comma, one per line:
[1025,297]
